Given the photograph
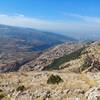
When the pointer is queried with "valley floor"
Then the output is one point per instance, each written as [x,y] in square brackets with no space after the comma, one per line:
[33,86]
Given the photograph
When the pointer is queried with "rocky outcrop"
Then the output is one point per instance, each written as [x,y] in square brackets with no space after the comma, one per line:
[88,61]
[93,93]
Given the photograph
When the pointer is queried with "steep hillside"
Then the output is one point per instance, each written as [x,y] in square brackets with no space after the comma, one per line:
[47,57]
[88,60]
[78,77]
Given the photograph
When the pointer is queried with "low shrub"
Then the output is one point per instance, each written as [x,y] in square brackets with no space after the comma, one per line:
[54,79]
[1,90]
[2,95]
[20,88]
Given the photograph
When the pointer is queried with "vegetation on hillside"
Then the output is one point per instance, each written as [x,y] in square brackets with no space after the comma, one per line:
[54,79]
[57,62]
[21,88]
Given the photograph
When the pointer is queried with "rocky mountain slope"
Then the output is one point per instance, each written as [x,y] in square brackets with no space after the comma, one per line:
[88,60]
[78,57]
[46,58]
[34,86]
[76,79]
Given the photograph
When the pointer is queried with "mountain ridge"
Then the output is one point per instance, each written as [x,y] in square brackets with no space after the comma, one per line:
[19,45]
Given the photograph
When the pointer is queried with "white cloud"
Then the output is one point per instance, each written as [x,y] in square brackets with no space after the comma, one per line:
[86,26]
[83,18]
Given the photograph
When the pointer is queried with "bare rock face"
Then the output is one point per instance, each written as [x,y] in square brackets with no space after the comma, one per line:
[91,58]
[93,93]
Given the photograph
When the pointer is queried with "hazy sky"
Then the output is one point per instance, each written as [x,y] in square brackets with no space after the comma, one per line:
[77,18]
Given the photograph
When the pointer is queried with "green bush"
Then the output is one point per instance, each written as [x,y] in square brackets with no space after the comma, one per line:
[54,79]
[1,90]
[20,88]
[2,95]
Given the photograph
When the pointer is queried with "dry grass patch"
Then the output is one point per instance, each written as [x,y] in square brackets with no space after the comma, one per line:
[89,82]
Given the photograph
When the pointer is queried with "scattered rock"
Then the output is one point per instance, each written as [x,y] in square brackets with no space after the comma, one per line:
[93,93]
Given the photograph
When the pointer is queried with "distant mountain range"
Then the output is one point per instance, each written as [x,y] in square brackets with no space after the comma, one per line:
[37,40]
[19,45]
